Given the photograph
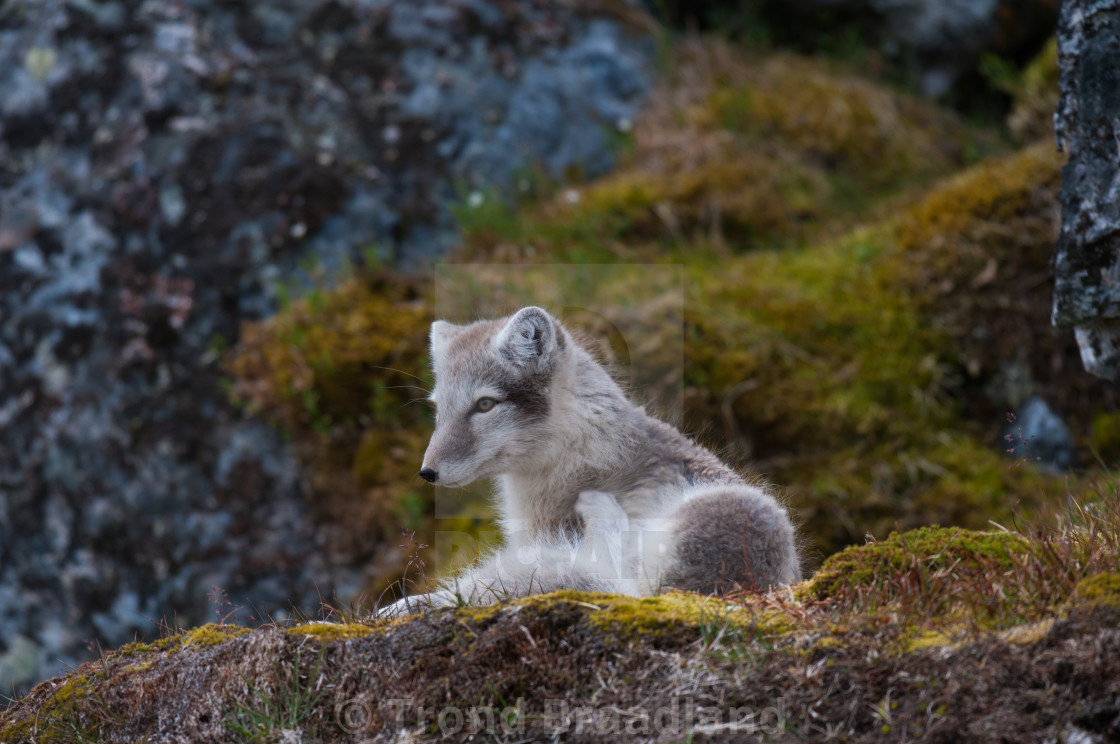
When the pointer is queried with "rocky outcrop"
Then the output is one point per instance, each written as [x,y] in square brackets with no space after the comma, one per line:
[940,633]
[167,170]
[1087,258]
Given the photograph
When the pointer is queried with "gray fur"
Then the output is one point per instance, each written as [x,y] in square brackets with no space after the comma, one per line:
[593,493]
[728,540]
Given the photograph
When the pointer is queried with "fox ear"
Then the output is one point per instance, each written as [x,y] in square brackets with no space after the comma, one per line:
[441,335]
[530,339]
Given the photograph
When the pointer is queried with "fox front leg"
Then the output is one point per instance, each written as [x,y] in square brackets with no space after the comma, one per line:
[602,550]
[601,514]
[417,603]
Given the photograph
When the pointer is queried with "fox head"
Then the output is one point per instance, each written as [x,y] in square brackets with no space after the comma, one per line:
[493,394]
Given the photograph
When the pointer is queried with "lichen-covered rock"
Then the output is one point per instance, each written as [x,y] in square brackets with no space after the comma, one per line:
[1087,257]
[168,171]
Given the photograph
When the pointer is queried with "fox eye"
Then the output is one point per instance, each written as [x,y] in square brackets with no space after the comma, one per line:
[485,404]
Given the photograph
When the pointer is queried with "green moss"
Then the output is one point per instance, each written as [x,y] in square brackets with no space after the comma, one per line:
[501,232]
[942,579]
[136,648]
[997,191]
[17,732]
[74,688]
[827,644]
[328,360]
[849,361]
[73,713]
[1101,590]
[332,632]
[673,618]
[1024,635]
[210,635]
[927,639]
[745,199]
[1106,435]
[138,666]
[203,636]
[672,615]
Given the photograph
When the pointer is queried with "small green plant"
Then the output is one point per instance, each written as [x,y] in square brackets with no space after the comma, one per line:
[373,257]
[267,714]
[412,507]
[217,345]
[882,711]
[735,639]
[1001,73]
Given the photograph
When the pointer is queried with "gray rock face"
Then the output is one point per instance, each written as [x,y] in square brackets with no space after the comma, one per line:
[164,168]
[1087,257]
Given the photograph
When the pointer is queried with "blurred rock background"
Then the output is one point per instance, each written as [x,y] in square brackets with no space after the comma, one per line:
[217,220]
[167,170]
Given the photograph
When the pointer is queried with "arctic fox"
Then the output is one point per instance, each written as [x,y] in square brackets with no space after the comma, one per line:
[592,493]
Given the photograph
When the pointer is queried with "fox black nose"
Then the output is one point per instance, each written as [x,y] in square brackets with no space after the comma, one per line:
[429,475]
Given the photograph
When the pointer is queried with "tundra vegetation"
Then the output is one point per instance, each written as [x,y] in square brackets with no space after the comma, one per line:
[866,284]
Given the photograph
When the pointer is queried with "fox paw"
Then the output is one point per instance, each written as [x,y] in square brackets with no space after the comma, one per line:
[415,604]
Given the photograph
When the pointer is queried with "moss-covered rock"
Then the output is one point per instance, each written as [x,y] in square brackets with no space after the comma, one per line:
[882,566]
[563,664]
[848,123]
[204,636]
[871,374]
[1101,590]
[942,579]
[908,628]
[739,151]
[327,632]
